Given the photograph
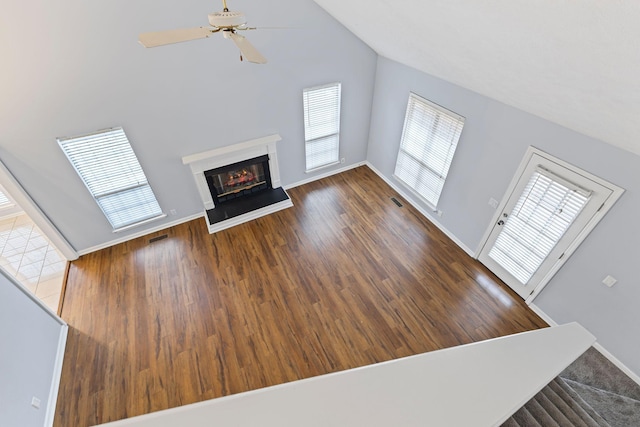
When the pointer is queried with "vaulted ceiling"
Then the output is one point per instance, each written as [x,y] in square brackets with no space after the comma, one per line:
[575,63]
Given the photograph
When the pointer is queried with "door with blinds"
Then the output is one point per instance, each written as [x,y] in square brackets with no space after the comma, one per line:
[546,213]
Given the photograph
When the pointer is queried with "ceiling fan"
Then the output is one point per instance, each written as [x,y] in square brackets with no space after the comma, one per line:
[226,22]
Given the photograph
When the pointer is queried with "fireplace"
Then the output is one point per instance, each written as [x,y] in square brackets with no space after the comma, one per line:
[239,183]
[241,179]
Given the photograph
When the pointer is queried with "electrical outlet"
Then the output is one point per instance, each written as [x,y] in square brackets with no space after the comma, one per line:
[173,212]
[439,212]
[35,402]
[493,203]
[342,160]
[609,281]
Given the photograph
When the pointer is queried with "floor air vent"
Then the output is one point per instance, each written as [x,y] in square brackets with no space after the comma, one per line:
[394,200]
[155,239]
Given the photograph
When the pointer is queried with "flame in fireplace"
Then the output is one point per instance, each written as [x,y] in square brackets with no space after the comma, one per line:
[242,177]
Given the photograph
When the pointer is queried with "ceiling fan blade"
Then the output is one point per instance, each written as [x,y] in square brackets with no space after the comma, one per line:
[161,38]
[244,28]
[249,52]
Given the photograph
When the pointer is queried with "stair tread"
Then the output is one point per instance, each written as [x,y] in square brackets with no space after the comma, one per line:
[559,414]
[556,405]
[511,422]
[599,390]
[595,370]
[540,413]
[575,408]
[524,418]
[616,409]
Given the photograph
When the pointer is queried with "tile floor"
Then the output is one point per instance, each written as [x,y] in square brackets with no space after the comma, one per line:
[27,255]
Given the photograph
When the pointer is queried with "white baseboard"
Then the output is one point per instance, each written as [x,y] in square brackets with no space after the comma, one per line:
[323,175]
[422,210]
[544,316]
[596,345]
[140,234]
[55,381]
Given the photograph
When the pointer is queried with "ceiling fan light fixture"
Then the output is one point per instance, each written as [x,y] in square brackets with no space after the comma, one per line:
[227,19]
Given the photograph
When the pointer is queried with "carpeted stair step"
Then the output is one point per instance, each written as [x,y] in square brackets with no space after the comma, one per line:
[616,409]
[556,405]
[595,370]
[522,418]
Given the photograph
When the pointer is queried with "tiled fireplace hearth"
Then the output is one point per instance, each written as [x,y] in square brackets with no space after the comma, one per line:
[239,183]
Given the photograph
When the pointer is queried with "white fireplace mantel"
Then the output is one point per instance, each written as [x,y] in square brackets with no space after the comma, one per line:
[201,162]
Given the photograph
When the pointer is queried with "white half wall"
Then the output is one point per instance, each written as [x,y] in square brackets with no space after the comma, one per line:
[32,340]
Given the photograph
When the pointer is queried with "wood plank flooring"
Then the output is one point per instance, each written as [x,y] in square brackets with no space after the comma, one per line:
[343,279]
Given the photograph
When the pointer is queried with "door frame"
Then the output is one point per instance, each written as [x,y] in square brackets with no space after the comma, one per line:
[33,211]
[616,192]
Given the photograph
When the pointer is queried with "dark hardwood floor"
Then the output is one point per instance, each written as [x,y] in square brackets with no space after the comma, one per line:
[343,279]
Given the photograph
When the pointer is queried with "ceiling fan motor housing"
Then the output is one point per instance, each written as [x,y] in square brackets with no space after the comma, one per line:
[227,19]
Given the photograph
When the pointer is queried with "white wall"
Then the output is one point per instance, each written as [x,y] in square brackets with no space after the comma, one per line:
[32,344]
[493,142]
[79,68]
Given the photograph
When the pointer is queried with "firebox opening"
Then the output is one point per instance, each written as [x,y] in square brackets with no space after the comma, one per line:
[240,179]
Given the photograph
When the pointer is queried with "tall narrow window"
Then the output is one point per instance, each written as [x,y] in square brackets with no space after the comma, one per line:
[429,140]
[110,169]
[5,202]
[322,125]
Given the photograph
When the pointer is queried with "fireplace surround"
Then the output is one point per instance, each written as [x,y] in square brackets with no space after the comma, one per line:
[239,183]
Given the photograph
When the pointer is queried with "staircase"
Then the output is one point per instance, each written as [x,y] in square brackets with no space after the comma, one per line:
[591,392]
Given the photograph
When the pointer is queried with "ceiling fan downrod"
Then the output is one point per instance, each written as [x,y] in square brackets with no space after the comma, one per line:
[224,6]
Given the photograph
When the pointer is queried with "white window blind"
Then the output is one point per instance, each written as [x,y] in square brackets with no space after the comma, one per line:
[429,140]
[110,169]
[4,201]
[543,213]
[322,125]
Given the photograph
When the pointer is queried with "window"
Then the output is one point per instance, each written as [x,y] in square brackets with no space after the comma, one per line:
[429,140]
[5,202]
[109,168]
[322,125]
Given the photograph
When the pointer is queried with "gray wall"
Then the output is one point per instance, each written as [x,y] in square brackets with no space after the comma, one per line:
[493,142]
[79,68]
[29,338]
